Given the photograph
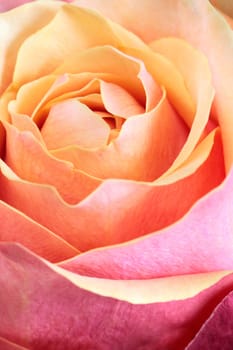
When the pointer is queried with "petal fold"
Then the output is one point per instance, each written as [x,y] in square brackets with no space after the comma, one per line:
[56,301]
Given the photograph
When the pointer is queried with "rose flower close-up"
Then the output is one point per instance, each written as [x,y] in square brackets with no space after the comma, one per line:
[116,179]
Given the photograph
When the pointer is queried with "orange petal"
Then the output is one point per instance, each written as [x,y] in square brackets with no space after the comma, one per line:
[118,210]
[146,147]
[24,123]
[32,162]
[17,227]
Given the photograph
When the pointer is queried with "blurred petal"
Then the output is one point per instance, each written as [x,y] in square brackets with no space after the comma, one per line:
[217,331]
[17,227]
[70,311]
[7,345]
[225,6]
[6,5]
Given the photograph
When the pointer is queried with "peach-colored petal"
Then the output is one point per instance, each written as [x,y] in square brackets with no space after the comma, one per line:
[124,68]
[17,227]
[15,27]
[24,123]
[151,90]
[198,23]
[166,74]
[202,241]
[30,95]
[66,34]
[146,146]
[118,101]
[6,97]
[70,311]
[72,123]
[32,162]
[198,83]
[118,210]
[66,86]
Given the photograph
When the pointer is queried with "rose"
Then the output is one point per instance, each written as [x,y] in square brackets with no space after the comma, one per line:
[44,305]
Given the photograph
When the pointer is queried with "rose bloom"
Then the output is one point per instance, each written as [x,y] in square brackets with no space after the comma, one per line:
[116,189]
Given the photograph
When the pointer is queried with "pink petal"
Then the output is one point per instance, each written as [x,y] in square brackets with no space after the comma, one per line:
[6,5]
[7,345]
[217,331]
[42,307]
[202,241]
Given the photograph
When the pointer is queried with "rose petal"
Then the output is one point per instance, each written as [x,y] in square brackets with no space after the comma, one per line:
[125,69]
[217,331]
[7,345]
[202,241]
[24,123]
[118,210]
[199,85]
[15,27]
[6,5]
[146,146]
[224,5]
[32,162]
[56,301]
[72,123]
[30,95]
[17,227]
[212,35]
[118,101]
[66,34]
